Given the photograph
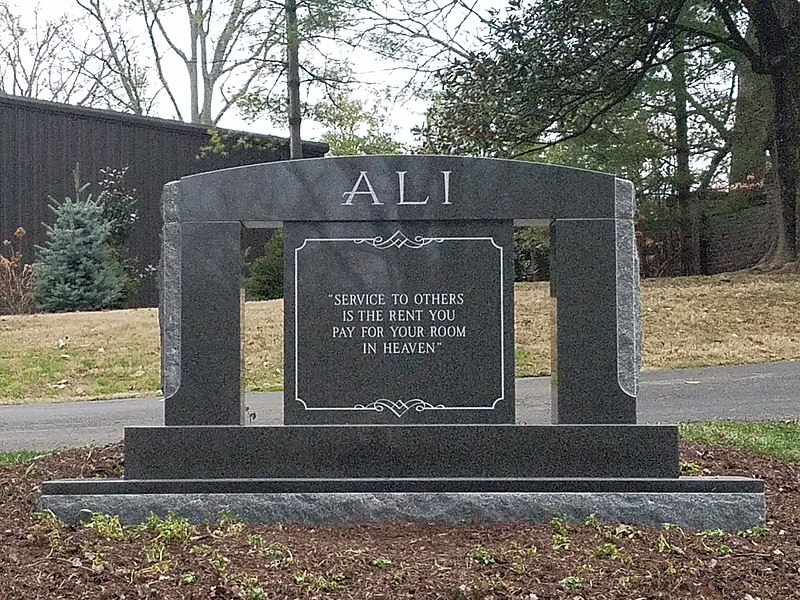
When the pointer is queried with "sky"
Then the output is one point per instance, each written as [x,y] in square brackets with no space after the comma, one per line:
[381,74]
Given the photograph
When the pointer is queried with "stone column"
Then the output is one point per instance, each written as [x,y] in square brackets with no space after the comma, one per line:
[595,289]
[200,319]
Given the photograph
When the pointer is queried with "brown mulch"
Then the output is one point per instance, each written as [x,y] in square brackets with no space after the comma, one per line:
[42,558]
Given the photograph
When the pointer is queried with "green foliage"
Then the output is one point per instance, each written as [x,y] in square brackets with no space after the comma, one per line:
[223,143]
[47,521]
[351,129]
[759,531]
[559,526]
[606,550]
[249,587]
[18,456]
[217,560]
[540,73]
[228,525]
[381,562]
[171,529]
[531,254]
[107,527]
[48,524]
[265,278]
[664,546]
[485,556]
[189,577]
[592,85]
[561,533]
[279,554]
[316,584]
[119,205]
[266,96]
[621,531]
[119,210]
[77,268]
[690,468]
[571,581]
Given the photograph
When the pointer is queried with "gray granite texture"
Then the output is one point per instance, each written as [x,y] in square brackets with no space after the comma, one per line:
[596,461]
[396,188]
[629,318]
[697,485]
[727,511]
[202,281]
[597,329]
[384,322]
[624,199]
[169,306]
[401,451]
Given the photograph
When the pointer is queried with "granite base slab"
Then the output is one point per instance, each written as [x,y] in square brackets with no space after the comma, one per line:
[401,451]
[698,503]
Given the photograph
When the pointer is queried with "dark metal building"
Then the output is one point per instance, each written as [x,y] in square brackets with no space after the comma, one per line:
[41,142]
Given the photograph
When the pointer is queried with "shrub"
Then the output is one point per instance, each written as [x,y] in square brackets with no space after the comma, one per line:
[531,254]
[16,278]
[119,205]
[265,279]
[119,211]
[77,268]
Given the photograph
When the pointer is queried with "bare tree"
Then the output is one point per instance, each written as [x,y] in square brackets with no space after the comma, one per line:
[47,59]
[122,56]
[229,44]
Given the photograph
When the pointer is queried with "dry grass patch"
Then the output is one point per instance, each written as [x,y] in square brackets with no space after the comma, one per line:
[687,321]
[726,319]
[690,321]
[50,357]
[263,345]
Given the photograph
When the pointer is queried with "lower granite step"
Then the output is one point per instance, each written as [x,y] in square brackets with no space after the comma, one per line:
[729,503]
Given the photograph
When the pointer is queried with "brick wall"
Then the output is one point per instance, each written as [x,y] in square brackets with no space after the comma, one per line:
[737,237]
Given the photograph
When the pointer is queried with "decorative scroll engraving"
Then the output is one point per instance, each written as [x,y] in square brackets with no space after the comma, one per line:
[398,240]
[399,408]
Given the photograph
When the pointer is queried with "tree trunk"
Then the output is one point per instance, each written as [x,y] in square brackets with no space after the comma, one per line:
[690,263]
[750,137]
[293,80]
[193,67]
[777,28]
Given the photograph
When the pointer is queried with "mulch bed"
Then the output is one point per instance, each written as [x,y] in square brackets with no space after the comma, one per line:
[42,558]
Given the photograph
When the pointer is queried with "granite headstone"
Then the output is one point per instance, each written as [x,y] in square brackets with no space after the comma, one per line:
[399,355]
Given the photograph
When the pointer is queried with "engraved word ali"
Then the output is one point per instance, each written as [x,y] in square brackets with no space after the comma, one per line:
[363,187]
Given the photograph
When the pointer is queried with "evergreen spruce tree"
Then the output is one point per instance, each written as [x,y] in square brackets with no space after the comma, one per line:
[76,267]
[265,281]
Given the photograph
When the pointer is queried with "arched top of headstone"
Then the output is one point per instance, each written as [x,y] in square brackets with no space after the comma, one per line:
[409,187]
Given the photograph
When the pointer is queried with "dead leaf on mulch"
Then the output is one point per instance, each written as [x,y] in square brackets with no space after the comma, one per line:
[41,558]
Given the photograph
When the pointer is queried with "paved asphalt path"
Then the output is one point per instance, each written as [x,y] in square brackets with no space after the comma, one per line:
[743,392]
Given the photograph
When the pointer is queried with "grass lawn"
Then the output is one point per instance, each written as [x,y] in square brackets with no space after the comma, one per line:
[18,456]
[687,322]
[781,439]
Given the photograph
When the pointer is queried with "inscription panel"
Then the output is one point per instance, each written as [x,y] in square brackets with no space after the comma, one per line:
[398,322]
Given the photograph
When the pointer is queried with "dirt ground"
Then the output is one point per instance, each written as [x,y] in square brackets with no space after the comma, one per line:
[168,558]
